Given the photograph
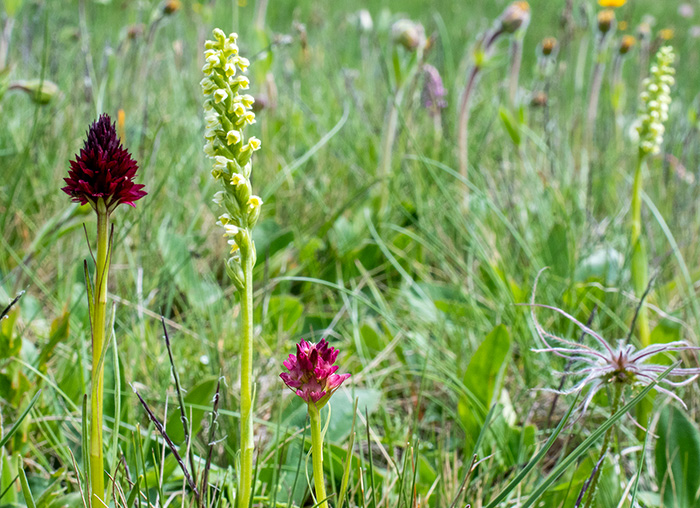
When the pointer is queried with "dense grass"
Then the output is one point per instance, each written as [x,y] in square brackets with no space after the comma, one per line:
[407,294]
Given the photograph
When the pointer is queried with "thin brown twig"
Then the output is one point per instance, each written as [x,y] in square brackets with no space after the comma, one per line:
[169,442]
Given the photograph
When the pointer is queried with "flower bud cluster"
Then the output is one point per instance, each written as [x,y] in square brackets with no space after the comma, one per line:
[227,114]
[656,99]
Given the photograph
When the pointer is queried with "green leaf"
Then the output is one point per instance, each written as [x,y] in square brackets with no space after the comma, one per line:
[342,411]
[483,379]
[5,438]
[511,125]
[678,459]
[570,459]
[604,264]
[270,238]
[10,343]
[59,334]
[175,249]
[558,250]
[134,492]
[12,6]
[26,492]
[200,398]
[284,313]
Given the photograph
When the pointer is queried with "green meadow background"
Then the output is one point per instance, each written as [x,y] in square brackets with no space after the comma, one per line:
[420,300]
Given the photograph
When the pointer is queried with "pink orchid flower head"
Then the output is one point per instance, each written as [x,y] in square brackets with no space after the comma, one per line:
[104,169]
[312,375]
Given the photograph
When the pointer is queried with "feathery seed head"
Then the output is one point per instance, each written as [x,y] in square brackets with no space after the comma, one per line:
[602,364]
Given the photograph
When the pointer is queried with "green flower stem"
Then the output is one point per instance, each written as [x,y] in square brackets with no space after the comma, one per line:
[391,125]
[247,443]
[639,258]
[617,395]
[98,340]
[463,121]
[317,455]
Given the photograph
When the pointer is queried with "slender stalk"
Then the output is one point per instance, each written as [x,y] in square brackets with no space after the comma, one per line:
[317,455]
[390,126]
[639,259]
[247,443]
[593,487]
[463,122]
[437,133]
[465,103]
[596,85]
[516,55]
[98,340]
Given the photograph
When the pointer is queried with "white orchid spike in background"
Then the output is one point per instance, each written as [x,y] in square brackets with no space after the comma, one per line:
[598,367]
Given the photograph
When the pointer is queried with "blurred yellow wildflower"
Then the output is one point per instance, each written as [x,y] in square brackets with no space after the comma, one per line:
[611,3]
[666,34]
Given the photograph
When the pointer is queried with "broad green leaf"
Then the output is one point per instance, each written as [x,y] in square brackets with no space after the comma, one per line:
[483,379]
[200,397]
[26,491]
[511,125]
[12,6]
[284,313]
[175,250]
[558,250]
[270,238]
[678,459]
[342,411]
[60,328]
[604,264]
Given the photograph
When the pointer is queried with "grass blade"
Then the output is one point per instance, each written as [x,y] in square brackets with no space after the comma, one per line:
[26,492]
[348,459]
[590,440]
[540,455]
[15,426]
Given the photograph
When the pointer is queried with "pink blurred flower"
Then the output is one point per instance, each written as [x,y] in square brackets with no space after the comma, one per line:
[433,95]
[312,373]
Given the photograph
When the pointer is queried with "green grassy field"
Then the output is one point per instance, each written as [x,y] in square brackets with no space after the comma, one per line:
[419,290]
